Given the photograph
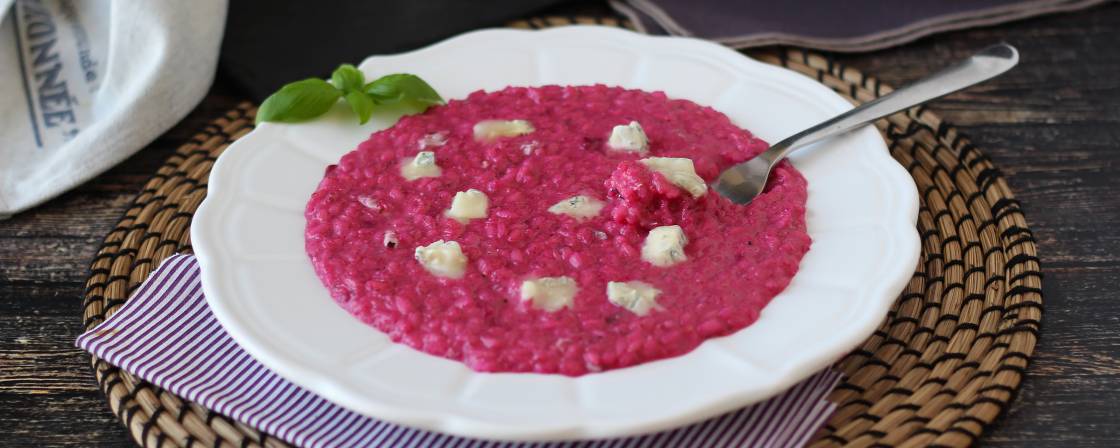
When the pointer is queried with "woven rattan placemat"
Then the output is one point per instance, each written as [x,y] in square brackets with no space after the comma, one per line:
[946,361]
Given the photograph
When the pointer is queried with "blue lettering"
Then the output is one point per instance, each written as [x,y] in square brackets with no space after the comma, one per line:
[38,19]
[41,52]
[56,105]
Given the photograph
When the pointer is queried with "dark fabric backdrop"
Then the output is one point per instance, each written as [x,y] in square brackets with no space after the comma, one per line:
[268,43]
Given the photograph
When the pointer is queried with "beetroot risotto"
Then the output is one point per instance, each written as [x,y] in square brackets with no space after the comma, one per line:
[554,230]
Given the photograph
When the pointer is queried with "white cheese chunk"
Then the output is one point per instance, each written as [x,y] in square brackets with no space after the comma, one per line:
[579,207]
[432,140]
[680,171]
[370,203]
[423,165]
[664,246]
[549,293]
[487,130]
[442,259]
[629,137]
[390,239]
[468,205]
[637,296]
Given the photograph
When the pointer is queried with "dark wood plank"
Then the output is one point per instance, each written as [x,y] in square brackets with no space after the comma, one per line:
[61,419]
[48,396]
[1052,125]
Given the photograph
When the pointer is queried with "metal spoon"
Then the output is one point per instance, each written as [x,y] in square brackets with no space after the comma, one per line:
[743,182]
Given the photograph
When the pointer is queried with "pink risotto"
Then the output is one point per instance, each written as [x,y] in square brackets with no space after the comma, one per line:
[583,255]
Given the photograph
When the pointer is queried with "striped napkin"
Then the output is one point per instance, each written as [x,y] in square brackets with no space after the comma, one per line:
[167,335]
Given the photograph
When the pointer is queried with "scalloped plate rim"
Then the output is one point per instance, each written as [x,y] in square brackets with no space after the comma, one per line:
[207,230]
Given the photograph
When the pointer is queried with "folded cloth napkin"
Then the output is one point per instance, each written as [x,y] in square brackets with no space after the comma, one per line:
[852,25]
[167,335]
[83,85]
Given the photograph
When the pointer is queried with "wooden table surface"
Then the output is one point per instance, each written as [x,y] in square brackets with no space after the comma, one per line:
[1052,125]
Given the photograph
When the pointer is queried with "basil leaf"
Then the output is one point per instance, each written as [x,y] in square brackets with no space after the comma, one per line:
[310,98]
[299,101]
[404,89]
[361,104]
[347,77]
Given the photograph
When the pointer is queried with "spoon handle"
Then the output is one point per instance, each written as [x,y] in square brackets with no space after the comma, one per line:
[980,67]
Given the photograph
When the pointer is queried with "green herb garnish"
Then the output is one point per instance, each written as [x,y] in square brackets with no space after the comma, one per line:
[312,97]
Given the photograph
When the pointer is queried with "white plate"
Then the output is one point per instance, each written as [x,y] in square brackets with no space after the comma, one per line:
[862,207]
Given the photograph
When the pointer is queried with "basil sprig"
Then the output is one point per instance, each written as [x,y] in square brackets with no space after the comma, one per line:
[312,97]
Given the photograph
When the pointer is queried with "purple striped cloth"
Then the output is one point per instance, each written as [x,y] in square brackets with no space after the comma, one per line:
[167,335]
